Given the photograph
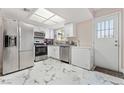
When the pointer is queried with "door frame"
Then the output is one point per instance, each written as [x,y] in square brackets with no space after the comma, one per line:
[119,13]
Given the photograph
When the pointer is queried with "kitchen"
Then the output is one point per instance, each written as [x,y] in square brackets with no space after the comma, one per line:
[57,45]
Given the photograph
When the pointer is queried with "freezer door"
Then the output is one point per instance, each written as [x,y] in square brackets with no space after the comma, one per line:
[10,53]
[26,59]
[26,37]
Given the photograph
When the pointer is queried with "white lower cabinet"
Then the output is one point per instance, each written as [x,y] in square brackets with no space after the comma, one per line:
[49,51]
[56,52]
[53,51]
[82,57]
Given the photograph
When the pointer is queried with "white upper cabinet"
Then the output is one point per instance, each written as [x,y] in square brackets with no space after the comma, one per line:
[39,29]
[70,30]
[49,34]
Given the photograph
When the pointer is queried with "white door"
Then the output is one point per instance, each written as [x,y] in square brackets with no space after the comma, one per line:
[106,42]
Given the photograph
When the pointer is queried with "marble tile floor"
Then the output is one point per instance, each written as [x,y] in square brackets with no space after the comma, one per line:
[54,72]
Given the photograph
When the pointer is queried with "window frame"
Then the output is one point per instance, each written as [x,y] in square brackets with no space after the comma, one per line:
[101,30]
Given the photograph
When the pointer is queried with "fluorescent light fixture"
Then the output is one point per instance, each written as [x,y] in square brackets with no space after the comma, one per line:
[48,22]
[57,19]
[44,13]
[46,17]
[37,18]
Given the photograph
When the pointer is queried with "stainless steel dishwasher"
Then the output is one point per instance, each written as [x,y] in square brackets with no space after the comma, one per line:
[65,53]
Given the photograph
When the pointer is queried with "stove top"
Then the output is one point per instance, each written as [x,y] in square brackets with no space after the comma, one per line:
[39,44]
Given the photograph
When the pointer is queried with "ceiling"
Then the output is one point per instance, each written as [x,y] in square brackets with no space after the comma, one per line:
[69,14]
[19,14]
[72,14]
[96,9]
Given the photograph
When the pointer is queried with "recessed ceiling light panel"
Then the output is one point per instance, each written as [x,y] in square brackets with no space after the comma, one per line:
[44,13]
[46,17]
[57,19]
[48,22]
[37,18]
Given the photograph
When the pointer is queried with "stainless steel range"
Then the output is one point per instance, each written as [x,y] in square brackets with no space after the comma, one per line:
[40,46]
[40,52]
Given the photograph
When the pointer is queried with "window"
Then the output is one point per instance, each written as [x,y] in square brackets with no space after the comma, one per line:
[59,34]
[105,29]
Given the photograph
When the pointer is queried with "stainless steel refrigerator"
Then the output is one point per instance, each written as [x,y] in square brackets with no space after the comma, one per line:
[10,49]
[18,46]
[26,45]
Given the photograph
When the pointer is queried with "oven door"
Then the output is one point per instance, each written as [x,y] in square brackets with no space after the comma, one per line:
[40,50]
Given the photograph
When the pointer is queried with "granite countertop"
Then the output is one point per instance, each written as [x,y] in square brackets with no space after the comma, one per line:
[81,47]
[73,46]
[62,45]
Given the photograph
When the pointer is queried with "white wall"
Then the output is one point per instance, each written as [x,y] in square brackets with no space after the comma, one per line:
[84,33]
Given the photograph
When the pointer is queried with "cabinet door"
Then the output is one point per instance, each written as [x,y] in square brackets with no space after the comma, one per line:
[56,52]
[47,34]
[51,34]
[66,30]
[53,51]
[49,51]
[81,58]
